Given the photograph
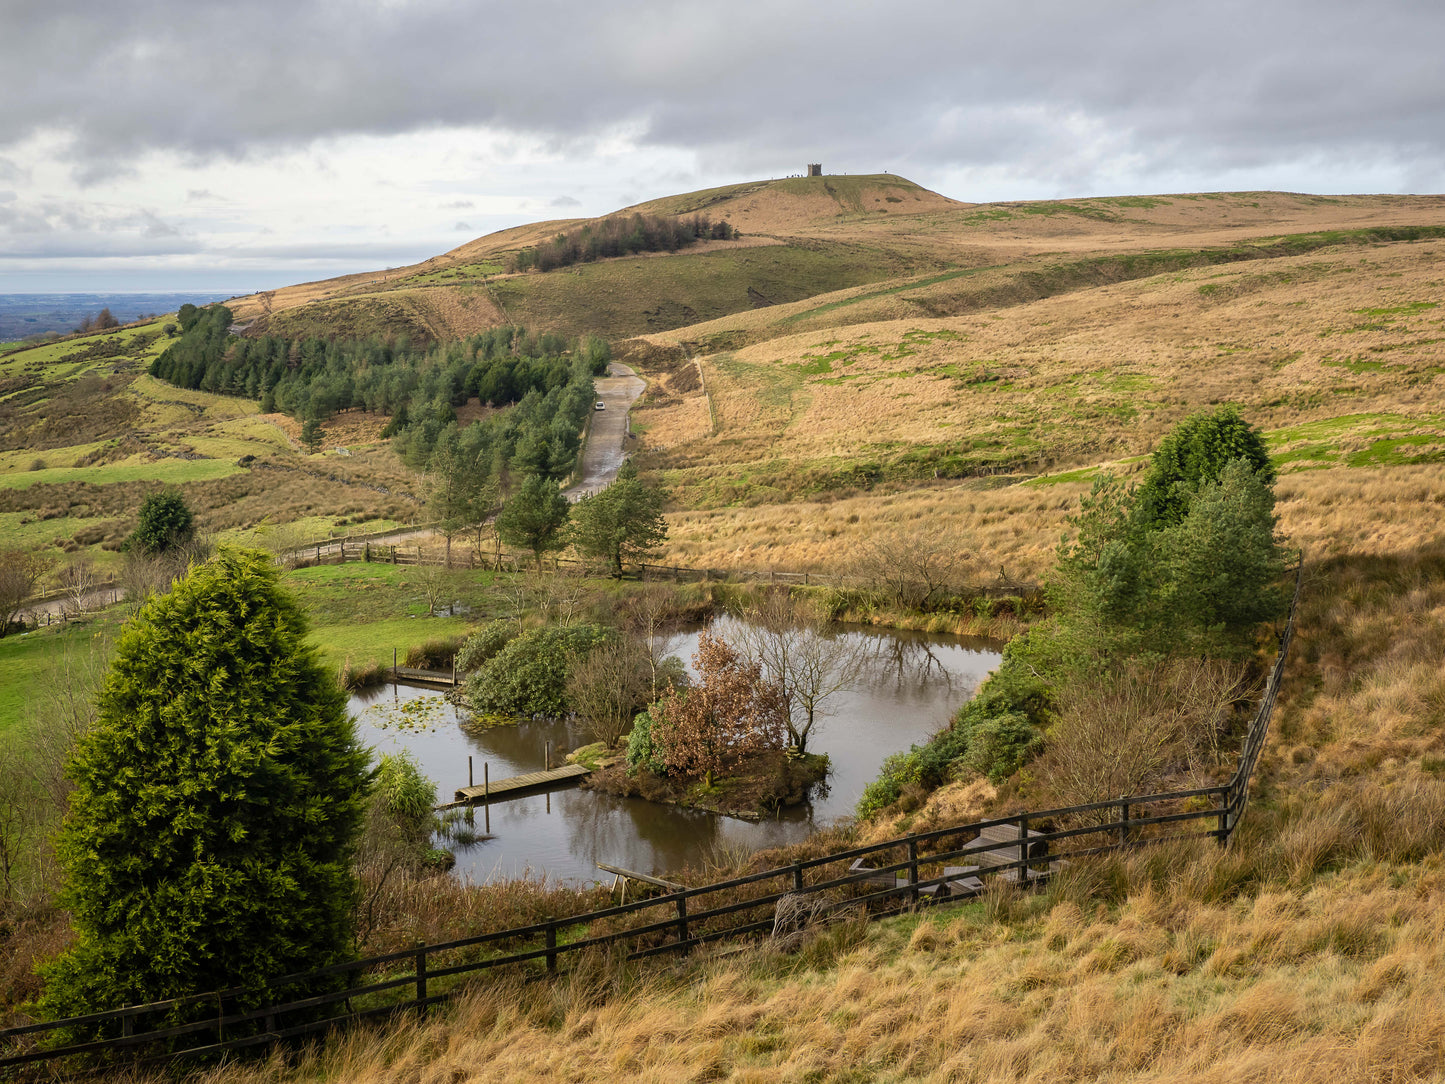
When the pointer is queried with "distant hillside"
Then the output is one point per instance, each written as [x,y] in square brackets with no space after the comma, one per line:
[800,237]
[807,243]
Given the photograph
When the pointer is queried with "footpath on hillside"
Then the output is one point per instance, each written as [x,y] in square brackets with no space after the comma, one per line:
[607,442]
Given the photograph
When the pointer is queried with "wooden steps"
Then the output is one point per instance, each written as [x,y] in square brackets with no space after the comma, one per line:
[518,785]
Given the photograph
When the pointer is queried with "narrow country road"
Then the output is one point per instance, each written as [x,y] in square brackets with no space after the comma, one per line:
[606,450]
[607,444]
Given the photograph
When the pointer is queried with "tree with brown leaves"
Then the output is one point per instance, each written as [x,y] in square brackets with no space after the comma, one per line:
[732,713]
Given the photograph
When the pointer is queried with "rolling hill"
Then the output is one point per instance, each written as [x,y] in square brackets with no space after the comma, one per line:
[865,354]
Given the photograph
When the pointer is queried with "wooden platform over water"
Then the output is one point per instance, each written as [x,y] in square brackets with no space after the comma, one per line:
[411,675]
[518,785]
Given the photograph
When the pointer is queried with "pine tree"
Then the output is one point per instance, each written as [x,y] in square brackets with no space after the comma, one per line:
[622,523]
[218,801]
[534,517]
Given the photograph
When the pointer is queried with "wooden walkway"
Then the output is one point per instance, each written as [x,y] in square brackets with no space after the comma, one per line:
[410,675]
[519,785]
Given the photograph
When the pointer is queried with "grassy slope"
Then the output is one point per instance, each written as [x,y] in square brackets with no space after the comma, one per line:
[1312,949]
[85,434]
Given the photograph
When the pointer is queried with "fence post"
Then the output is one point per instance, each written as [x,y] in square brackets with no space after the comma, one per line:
[393,666]
[421,976]
[1222,833]
[1023,849]
[551,946]
[797,876]
[682,922]
[366,556]
[1123,819]
[913,870]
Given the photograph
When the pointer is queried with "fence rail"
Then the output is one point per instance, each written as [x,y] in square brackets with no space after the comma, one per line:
[337,551]
[902,873]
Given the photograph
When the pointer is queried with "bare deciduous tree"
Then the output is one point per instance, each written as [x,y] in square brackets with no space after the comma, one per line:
[915,568]
[647,614]
[608,685]
[20,572]
[793,644]
[78,580]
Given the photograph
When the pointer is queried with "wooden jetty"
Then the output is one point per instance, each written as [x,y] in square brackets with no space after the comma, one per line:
[415,675]
[518,785]
[411,675]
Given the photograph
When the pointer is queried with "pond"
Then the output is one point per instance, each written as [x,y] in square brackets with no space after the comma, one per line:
[908,684]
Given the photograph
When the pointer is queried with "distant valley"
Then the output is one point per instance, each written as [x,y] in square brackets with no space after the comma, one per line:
[24,315]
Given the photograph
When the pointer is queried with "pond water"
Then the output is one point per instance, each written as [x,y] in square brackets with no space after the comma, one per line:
[907,686]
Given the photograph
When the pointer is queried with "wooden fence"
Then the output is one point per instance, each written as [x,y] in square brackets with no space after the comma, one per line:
[1025,848]
[343,550]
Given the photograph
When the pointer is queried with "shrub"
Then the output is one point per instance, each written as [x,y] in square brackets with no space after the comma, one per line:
[484,644]
[642,752]
[166,523]
[1001,744]
[529,675]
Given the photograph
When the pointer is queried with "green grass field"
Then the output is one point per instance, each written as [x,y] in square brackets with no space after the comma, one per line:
[363,612]
[34,661]
[170,471]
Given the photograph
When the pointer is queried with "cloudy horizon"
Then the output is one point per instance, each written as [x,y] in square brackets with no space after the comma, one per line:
[172,146]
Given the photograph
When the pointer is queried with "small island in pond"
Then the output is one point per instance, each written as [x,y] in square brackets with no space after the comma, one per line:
[756,787]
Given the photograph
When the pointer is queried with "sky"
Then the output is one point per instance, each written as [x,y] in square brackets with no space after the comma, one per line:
[169,145]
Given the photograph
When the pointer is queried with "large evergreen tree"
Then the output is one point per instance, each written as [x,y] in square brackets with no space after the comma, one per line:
[218,800]
[622,523]
[534,517]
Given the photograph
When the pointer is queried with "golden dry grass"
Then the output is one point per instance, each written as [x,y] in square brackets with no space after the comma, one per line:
[1339,981]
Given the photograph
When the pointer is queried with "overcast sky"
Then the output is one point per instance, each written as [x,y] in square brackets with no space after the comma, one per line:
[185,144]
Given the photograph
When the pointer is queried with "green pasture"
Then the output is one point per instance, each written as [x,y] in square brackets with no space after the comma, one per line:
[36,661]
[169,471]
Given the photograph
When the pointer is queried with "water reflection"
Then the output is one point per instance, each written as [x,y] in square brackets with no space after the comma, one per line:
[908,685]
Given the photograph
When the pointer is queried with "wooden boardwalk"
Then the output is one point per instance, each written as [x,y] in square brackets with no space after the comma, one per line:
[518,785]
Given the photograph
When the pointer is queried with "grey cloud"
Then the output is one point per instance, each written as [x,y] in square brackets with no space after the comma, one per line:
[155,227]
[753,88]
[8,196]
[56,229]
[565,201]
[201,195]
[458,205]
[463,226]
